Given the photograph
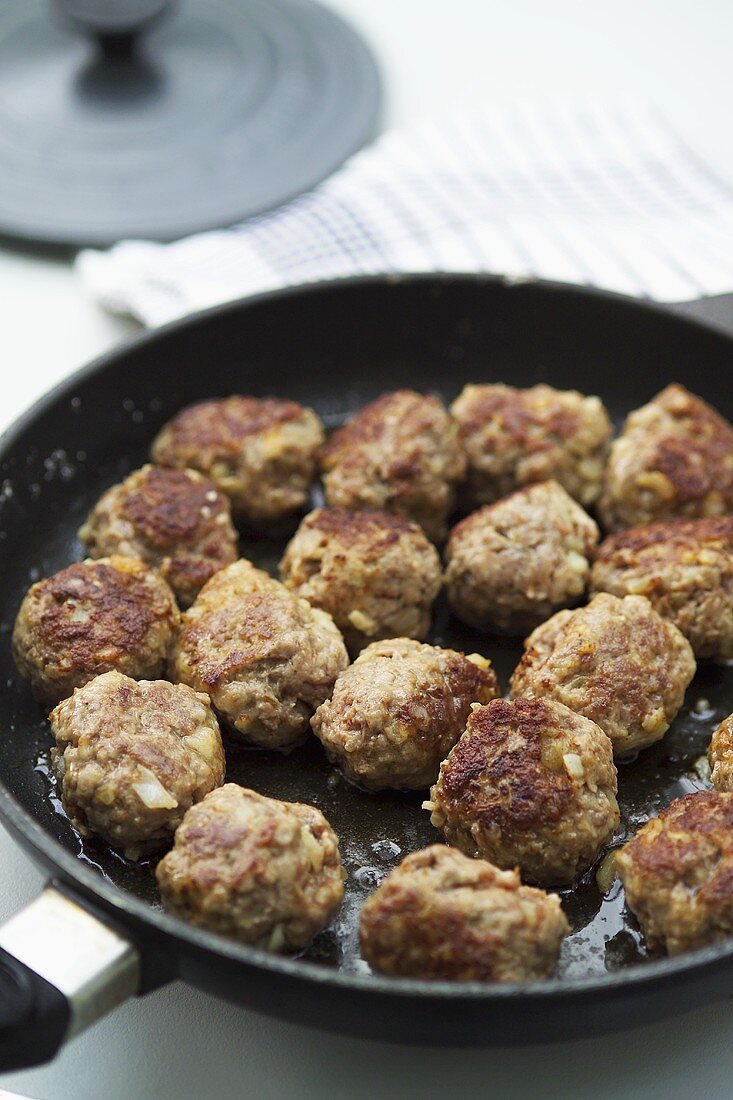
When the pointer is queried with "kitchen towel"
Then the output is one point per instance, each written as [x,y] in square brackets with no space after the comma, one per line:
[599,193]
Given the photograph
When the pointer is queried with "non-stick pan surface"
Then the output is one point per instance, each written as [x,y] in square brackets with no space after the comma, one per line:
[336,347]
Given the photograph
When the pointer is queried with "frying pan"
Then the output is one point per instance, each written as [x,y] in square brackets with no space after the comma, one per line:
[97,934]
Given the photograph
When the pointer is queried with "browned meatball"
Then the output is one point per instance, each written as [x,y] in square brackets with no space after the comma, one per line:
[396,712]
[445,917]
[720,755]
[93,617]
[398,454]
[374,572]
[674,457]
[517,437]
[512,564]
[615,661]
[265,872]
[174,520]
[132,757]
[678,873]
[260,452]
[530,785]
[266,657]
[685,569]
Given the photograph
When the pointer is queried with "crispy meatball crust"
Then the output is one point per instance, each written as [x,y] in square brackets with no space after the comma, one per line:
[132,757]
[674,457]
[397,711]
[615,661]
[685,570]
[512,564]
[265,872]
[678,873]
[517,437]
[261,452]
[375,573]
[530,784]
[92,617]
[442,916]
[266,657]
[720,755]
[401,454]
[176,521]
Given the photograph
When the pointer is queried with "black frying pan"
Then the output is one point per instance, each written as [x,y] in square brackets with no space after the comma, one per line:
[334,347]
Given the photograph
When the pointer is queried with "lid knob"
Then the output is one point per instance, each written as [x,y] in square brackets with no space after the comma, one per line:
[110,18]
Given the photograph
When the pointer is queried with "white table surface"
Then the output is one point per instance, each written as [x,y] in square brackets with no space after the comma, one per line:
[179,1043]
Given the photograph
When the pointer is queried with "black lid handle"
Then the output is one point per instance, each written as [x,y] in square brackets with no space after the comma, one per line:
[111,18]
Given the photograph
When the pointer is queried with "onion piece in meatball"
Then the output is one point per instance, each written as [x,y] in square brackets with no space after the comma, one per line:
[615,661]
[685,569]
[93,617]
[442,916]
[532,785]
[398,454]
[260,452]
[397,711]
[514,438]
[375,573]
[131,757]
[176,521]
[266,657]
[720,755]
[512,564]
[678,873]
[264,872]
[674,457]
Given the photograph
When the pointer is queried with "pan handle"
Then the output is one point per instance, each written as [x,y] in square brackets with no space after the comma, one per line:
[60,970]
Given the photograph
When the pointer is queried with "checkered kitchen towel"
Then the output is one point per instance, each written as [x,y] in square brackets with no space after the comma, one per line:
[603,194]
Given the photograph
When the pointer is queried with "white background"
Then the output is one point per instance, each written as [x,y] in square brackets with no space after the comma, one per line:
[179,1043]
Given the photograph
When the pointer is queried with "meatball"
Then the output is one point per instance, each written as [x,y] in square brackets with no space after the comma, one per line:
[265,872]
[678,873]
[530,785]
[617,662]
[176,521]
[261,452]
[132,757]
[674,457]
[374,572]
[685,569]
[517,437]
[396,712]
[445,917]
[512,564]
[266,657]
[92,617]
[401,454]
[720,755]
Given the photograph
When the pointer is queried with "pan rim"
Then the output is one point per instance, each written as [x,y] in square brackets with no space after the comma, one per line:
[47,850]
